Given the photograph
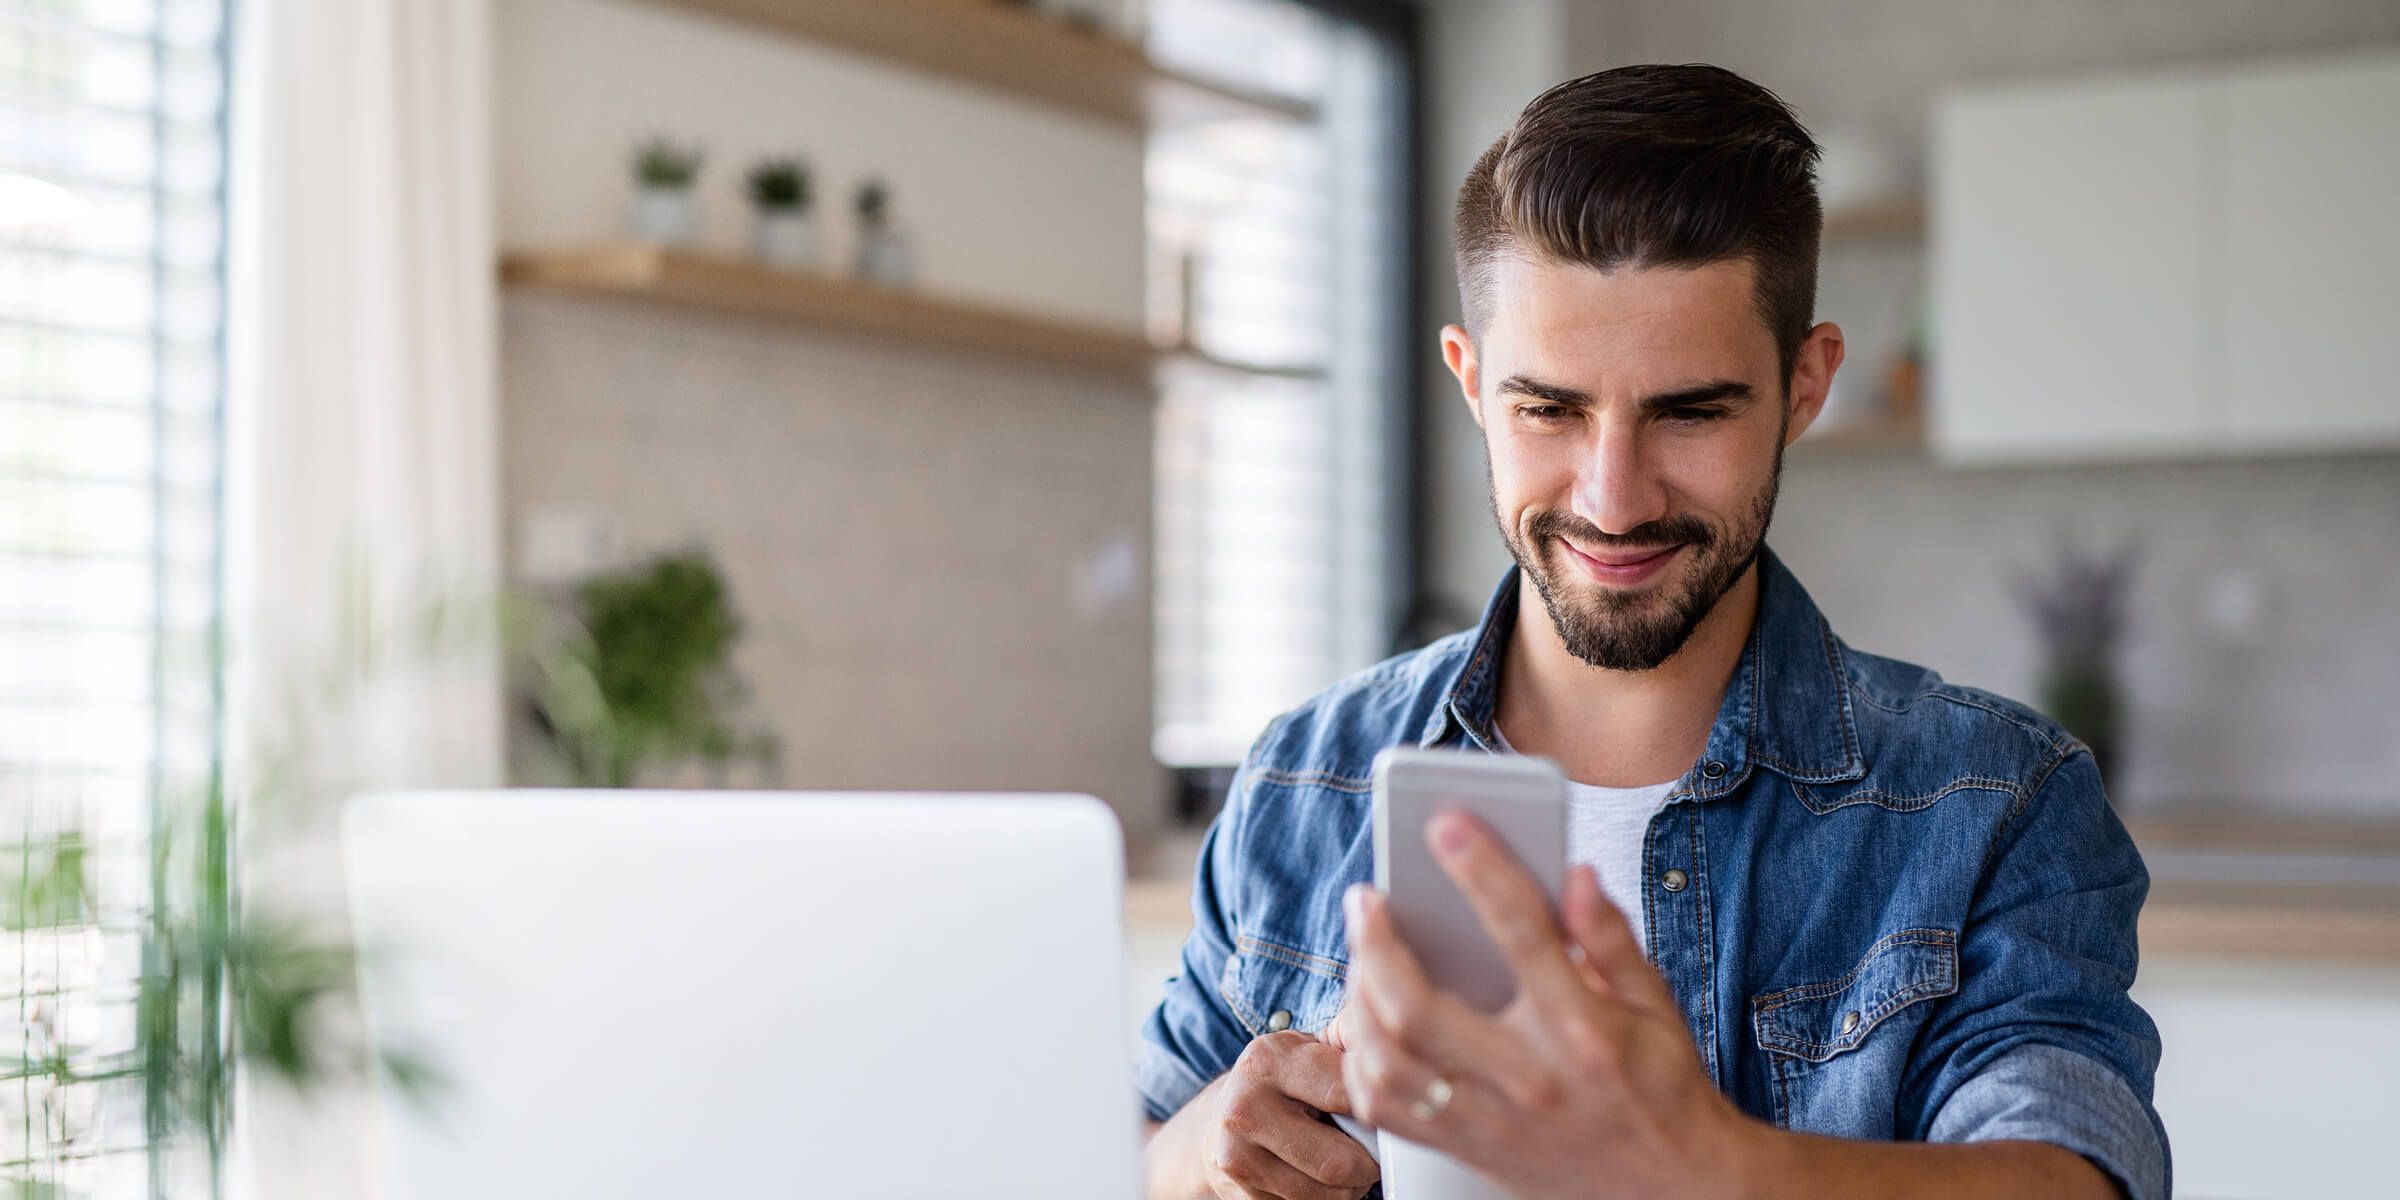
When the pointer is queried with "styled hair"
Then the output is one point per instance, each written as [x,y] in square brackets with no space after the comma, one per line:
[1651,166]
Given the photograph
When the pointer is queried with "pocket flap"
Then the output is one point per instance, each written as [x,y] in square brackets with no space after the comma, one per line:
[1816,1021]
[1263,978]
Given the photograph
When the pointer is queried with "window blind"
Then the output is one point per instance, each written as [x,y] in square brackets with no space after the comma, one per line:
[1273,264]
[111,307]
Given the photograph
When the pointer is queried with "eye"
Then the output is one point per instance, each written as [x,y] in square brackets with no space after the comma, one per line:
[1545,412]
[1693,416]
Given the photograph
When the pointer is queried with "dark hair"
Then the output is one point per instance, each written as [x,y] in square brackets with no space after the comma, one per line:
[1651,165]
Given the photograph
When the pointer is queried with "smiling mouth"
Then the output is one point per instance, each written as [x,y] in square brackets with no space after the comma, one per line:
[1622,558]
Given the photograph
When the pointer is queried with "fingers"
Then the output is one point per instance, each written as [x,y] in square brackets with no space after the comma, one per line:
[1388,987]
[1400,1093]
[1319,1157]
[1249,1169]
[1513,910]
[1308,1071]
[1609,950]
[1268,1140]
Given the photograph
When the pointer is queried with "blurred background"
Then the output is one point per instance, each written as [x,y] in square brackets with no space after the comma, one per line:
[965,394]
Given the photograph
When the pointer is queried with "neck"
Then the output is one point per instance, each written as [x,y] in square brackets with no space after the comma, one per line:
[1619,728]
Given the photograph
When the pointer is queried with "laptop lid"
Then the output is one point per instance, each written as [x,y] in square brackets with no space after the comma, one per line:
[643,994]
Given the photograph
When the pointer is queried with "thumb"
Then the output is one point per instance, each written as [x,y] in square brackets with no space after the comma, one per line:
[1331,1035]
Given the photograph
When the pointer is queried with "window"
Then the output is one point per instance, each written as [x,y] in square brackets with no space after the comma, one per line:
[111,301]
[1281,262]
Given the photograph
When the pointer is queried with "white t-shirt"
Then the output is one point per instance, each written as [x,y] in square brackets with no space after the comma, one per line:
[1605,827]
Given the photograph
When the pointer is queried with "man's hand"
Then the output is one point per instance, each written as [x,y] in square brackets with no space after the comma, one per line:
[1254,1133]
[1586,1084]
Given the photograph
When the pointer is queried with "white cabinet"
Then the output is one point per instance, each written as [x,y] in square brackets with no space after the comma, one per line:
[2311,229]
[2066,279]
[2178,266]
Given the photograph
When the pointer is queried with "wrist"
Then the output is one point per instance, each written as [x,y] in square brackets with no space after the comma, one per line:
[1756,1159]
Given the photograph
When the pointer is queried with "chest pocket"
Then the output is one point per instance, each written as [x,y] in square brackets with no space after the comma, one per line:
[1264,978]
[1837,1050]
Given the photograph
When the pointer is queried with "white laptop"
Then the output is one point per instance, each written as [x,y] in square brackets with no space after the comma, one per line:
[646,994]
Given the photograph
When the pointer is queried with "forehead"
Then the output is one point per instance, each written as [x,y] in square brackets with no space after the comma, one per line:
[1632,325]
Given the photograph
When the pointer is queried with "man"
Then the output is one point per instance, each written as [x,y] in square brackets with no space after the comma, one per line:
[1837,927]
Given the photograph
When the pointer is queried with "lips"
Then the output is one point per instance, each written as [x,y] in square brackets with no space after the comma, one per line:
[1622,558]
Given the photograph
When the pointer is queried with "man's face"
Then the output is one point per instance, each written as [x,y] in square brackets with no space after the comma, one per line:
[1635,422]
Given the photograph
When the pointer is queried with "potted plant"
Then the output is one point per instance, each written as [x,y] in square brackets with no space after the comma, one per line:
[664,171]
[882,249]
[639,676]
[2078,608]
[783,234]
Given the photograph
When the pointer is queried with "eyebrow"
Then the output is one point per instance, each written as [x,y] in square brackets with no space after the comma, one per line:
[1701,393]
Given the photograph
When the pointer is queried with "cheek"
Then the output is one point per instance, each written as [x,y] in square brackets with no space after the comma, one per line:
[1532,472]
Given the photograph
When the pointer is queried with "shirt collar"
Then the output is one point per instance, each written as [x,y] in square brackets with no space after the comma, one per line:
[1787,707]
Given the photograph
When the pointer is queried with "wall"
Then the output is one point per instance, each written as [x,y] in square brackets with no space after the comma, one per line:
[2287,706]
[942,558]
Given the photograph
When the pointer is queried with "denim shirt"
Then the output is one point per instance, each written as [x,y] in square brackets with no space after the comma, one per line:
[1889,906]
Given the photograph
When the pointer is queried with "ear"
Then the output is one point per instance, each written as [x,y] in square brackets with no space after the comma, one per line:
[1812,377]
[1458,351]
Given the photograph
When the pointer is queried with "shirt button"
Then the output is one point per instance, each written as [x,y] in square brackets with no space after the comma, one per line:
[1713,769]
[1674,880]
[1279,1022]
[1850,1022]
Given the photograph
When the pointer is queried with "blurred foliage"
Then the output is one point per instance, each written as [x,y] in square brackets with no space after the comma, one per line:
[640,676]
[780,184]
[661,161]
[2079,607]
[45,885]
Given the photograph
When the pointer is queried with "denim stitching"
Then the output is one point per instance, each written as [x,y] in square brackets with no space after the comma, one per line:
[1781,1043]
[1886,800]
[1326,779]
[1233,998]
[1708,949]
[1332,968]
[1955,696]
[1783,997]
[1816,1051]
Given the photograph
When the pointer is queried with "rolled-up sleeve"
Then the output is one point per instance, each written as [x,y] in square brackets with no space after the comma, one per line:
[2043,1041]
[1192,1037]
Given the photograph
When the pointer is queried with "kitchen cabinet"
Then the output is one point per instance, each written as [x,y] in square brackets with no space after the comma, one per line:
[2067,287]
[2311,185]
[2176,266]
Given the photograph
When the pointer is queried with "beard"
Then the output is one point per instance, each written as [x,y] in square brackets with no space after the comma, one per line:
[1638,630]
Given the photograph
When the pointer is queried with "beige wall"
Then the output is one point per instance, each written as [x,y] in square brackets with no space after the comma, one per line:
[942,558]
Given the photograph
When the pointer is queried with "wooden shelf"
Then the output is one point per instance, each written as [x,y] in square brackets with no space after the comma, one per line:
[1014,50]
[1885,220]
[683,279]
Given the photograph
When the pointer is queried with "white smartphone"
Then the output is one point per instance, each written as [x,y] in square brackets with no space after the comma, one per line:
[1520,798]
[1523,800]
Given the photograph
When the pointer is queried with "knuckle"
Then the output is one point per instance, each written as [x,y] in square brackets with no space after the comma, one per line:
[1239,1116]
[1232,1161]
[1588,1046]
[1542,1093]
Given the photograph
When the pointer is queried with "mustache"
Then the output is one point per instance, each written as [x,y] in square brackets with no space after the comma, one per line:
[1649,535]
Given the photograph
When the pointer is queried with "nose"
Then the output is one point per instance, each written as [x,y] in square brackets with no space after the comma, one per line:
[1616,487]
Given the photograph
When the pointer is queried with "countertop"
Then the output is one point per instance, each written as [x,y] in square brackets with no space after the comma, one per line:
[2221,886]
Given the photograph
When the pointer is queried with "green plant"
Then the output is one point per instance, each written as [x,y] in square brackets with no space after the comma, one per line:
[2078,608]
[872,200]
[780,184]
[662,161]
[641,676]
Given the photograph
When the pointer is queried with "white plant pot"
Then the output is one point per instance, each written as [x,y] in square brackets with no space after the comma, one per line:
[785,238]
[664,215]
[883,257]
